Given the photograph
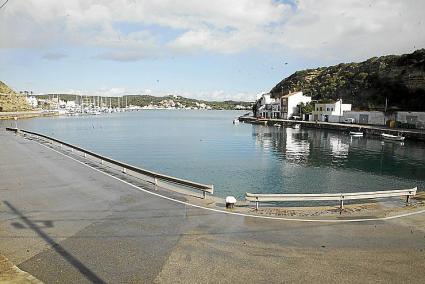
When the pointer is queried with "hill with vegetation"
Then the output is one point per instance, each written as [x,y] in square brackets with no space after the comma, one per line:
[11,101]
[5,89]
[367,85]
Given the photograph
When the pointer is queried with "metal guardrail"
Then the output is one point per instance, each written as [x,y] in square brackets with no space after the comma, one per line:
[156,176]
[330,196]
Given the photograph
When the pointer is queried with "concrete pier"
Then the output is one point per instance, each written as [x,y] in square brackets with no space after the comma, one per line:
[62,221]
[371,130]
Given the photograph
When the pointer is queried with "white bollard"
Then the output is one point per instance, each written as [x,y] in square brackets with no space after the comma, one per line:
[230,202]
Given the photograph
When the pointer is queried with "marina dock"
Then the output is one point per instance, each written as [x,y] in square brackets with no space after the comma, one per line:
[63,220]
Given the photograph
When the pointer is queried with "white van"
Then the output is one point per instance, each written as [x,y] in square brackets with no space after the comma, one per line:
[349,120]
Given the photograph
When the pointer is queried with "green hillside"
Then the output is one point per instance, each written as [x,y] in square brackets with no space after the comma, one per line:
[10,100]
[399,79]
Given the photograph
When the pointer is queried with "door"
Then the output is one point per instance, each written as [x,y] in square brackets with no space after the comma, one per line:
[363,119]
[411,119]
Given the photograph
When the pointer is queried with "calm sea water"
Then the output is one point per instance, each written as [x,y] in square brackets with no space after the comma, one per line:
[205,146]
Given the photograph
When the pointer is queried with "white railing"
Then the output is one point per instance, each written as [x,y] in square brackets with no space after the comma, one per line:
[341,197]
[126,168]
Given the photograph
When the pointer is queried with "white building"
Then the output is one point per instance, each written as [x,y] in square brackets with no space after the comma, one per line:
[414,118]
[289,104]
[275,107]
[266,99]
[32,101]
[367,117]
[264,106]
[330,112]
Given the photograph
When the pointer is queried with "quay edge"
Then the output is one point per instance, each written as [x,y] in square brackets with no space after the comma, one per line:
[368,130]
[26,114]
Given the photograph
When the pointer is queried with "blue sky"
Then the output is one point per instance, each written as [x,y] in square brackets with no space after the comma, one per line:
[210,50]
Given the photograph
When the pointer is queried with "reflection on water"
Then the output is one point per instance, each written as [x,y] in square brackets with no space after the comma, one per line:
[289,144]
[205,146]
[320,148]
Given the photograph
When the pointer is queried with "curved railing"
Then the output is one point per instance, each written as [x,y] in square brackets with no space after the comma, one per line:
[255,197]
[156,176]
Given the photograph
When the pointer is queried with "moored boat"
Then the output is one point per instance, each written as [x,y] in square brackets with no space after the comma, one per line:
[296,126]
[393,137]
[236,121]
[356,133]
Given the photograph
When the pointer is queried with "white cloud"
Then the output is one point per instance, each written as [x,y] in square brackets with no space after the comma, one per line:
[355,29]
[331,29]
[219,95]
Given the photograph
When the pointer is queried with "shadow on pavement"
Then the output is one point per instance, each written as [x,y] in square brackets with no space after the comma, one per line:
[84,270]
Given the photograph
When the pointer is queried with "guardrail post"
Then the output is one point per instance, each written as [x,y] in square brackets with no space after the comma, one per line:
[256,204]
[101,162]
[85,155]
[124,170]
[341,206]
[204,194]
[407,199]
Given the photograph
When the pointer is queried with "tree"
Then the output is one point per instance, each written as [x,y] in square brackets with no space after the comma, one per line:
[306,108]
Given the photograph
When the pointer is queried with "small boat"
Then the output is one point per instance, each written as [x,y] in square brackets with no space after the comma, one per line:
[236,121]
[277,125]
[296,126]
[356,133]
[393,137]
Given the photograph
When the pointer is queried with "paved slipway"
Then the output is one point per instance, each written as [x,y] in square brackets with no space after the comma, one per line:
[64,222]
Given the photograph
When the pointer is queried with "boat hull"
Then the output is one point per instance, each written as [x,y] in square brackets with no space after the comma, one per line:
[393,137]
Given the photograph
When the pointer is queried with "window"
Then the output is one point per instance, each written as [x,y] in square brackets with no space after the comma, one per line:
[321,108]
[327,109]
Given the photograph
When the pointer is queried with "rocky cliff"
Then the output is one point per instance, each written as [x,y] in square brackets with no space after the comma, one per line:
[367,85]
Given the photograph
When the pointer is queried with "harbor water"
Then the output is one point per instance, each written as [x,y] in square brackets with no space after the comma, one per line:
[205,146]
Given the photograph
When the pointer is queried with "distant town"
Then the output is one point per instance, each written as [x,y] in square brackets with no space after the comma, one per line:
[76,105]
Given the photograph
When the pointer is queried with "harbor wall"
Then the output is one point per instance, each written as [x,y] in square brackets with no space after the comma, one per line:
[367,117]
[26,114]
[368,130]
[415,118]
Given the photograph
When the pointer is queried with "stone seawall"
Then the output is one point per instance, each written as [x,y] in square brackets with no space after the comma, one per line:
[26,114]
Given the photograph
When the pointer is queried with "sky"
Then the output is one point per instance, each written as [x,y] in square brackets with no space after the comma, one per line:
[213,50]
